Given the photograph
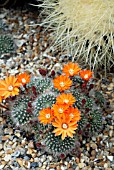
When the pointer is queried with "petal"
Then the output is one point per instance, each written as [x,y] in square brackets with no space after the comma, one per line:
[64,135]
[3,83]
[69,134]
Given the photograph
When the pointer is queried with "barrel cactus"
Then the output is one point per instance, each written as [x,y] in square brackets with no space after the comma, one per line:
[83,28]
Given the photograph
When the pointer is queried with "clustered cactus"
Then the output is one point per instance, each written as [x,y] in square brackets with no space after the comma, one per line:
[58,110]
[83,28]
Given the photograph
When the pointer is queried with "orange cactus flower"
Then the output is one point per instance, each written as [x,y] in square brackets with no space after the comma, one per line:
[64,127]
[1,98]
[64,98]
[74,114]
[62,82]
[9,87]
[46,116]
[86,74]
[23,78]
[59,109]
[71,69]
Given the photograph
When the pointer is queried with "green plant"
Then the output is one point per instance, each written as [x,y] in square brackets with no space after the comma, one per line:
[86,34]
[6,44]
[58,110]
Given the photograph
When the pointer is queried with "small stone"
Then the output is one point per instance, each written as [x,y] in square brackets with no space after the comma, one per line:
[3,163]
[9,151]
[30,144]
[105,165]
[1,167]
[93,152]
[40,164]
[81,165]
[17,134]
[34,164]
[23,142]
[29,151]
[26,164]
[1,153]
[110,158]
[27,158]
[20,161]
[16,154]
[7,158]
[112,150]
[110,133]
[94,146]
[1,146]
[1,119]
[43,159]
[4,138]
[8,131]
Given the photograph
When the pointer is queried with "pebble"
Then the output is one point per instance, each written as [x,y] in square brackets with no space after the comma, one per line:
[94,146]
[81,165]
[7,157]
[1,146]
[110,158]
[1,166]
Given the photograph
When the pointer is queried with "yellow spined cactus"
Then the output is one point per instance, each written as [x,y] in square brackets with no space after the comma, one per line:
[84,28]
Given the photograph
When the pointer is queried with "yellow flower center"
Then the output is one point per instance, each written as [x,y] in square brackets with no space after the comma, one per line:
[48,116]
[86,76]
[71,71]
[66,101]
[10,88]
[64,126]
[60,110]
[71,115]
[23,80]
[62,84]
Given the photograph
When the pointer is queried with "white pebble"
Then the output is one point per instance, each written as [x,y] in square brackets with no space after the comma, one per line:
[1,166]
[110,158]
[7,158]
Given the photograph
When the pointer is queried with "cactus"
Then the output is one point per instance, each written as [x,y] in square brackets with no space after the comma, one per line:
[81,32]
[57,110]
[6,44]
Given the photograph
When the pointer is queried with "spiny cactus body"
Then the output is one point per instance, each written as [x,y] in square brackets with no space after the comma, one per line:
[83,28]
[6,44]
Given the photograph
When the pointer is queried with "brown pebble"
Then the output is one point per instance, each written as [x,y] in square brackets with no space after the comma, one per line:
[20,161]
[93,152]
[69,165]
[94,146]
[9,151]
[3,162]
[77,160]
[31,39]
[4,138]
[112,150]
[58,168]
[30,144]
[52,166]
